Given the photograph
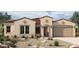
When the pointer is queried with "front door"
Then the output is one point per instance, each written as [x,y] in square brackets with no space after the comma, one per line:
[46,33]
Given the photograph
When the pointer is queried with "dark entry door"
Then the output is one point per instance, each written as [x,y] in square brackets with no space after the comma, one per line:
[46,33]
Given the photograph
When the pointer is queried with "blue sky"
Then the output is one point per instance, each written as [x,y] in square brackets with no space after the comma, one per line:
[34,14]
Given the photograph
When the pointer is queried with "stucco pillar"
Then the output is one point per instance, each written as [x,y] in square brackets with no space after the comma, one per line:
[50,31]
[74,34]
[42,31]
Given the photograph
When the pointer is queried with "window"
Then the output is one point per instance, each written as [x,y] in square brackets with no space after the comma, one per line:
[27,29]
[8,29]
[24,29]
[37,30]
[21,29]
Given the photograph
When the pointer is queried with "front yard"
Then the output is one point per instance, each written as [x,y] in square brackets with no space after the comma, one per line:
[6,42]
[42,43]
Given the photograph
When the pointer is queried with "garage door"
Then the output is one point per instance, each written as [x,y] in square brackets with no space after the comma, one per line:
[63,31]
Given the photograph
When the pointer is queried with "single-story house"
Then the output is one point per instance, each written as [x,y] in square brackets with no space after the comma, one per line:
[45,26]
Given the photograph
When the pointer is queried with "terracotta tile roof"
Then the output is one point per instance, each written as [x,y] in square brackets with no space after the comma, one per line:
[37,20]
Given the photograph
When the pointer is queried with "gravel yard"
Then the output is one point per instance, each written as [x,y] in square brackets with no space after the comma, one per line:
[41,43]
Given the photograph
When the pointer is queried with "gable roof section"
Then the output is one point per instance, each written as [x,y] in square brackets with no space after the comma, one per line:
[47,16]
[63,19]
[37,20]
[12,21]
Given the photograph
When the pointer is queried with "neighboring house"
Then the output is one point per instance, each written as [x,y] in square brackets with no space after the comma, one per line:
[44,26]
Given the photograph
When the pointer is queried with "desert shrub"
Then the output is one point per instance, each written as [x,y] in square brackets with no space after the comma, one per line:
[7,38]
[2,39]
[50,45]
[26,37]
[50,38]
[56,43]
[38,36]
[29,44]
[13,45]
[23,36]
[14,41]
[15,36]
[37,47]
[32,36]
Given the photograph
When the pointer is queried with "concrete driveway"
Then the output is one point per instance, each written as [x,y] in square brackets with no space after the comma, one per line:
[72,40]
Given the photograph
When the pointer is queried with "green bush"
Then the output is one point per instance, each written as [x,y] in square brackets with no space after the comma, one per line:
[14,41]
[56,43]
[13,45]
[2,40]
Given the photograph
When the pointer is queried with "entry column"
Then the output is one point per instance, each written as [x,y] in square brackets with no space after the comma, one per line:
[50,31]
[42,31]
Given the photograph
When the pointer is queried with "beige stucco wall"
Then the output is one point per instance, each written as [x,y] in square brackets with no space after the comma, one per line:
[46,21]
[15,27]
[12,28]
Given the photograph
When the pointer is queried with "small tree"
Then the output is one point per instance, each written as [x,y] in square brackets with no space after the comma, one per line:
[75,17]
